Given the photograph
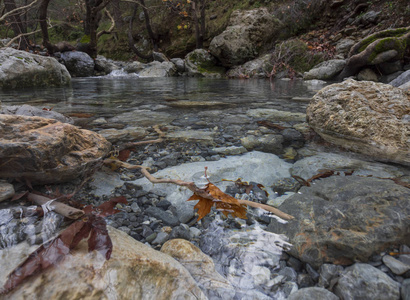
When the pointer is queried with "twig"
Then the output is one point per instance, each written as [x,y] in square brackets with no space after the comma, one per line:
[61,208]
[193,187]
[21,35]
[17,9]
[134,144]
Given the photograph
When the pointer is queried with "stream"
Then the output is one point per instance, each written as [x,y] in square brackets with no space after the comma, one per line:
[197,111]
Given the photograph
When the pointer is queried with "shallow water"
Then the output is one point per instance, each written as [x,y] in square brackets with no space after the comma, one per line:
[111,96]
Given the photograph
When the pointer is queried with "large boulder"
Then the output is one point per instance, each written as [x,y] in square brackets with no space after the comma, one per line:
[401,79]
[134,271]
[199,63]
[78,63]
[47,151]
[246,34]
[20,69]
[326,70]
[341,220]
[366,117]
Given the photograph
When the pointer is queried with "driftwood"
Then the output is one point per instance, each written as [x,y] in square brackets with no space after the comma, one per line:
[191,186]
[58,207]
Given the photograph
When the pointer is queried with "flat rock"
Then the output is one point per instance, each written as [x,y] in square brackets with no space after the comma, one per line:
[192,135]
[312,293]
[105,182]
[276,115]
[396,266]
[340,220]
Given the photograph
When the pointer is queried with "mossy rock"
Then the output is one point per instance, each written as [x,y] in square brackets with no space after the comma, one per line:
[199,63]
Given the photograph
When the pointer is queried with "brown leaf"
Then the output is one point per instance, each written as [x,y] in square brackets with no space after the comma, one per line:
[223,202]
[99,239]
[108,207]
[124,154]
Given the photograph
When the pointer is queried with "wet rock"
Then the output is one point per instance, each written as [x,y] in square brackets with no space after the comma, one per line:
[134,67]
[158,69]
[179,64]
[192,135]
[158,275]
[270,143]
[158,56]
[343,46]
[162,215]
[364,117]
[402,79]
[143,118]
[313,293]
[47,151]
[78,63]
[405,290]
[283,185]
[200,63]
[326,70]
[311,166]
[275,115]
[329,274]
[31,111]
[253,166]
[180,232]
[105,182]
[366,282]
[20,69]
[396,266]
[242,40]
[343,219]
[260,67]
[201,267]
[104,66]
[6,191]
[126,135]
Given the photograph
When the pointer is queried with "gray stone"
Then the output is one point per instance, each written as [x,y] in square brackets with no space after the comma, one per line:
[105,66]
[405,290]
[270,143]
[192,135]
[311,166]
[289,273]
[127,134]
[179,64]
[160,239]
[344,45]
[326,70]
[158,69]
[134,67]
[367,75]
[244,37]
[260,167]
[396,266]
[390,67]
[143,118]
[28,110]
[344,219]
[200,63]
[6,191]
[167,218]
[311,293]
[158,56]
[362,281]
[305,280]
[78,63]
[232,150]
[276,115]
[328,274]
[105,182]
[20,69]
[402,79]
[180,232]
[260,67]
[135,208]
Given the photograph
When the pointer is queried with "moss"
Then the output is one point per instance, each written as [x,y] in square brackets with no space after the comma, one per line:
[383,34]
[390,43]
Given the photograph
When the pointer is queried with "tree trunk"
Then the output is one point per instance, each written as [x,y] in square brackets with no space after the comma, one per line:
[43,25]
[131,38]
[152,36]
[17,24]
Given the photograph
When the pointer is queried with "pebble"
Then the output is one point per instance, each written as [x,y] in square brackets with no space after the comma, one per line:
[396,266]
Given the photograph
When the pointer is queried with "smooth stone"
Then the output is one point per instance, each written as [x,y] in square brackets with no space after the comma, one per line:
[311,293]
[396,266]
[6,191]
[276,115]
[105,182]
[232,150]
[192,135]
[362,281]
[162,215]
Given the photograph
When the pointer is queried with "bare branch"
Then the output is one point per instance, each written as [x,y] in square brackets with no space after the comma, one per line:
[17,10]
[61,208]
[111,27]
[193,187]
[19,36]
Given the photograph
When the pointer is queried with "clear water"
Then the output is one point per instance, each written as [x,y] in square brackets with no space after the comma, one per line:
[109,96]
[235,252]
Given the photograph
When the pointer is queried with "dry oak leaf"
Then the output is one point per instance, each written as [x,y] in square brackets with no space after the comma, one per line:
[223,202]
